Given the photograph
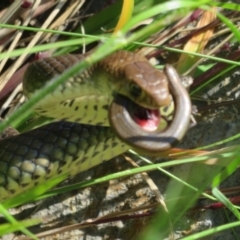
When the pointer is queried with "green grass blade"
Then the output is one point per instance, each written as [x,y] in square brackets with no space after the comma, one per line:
[14,225]
[221,198]
[212,231]
[230,168]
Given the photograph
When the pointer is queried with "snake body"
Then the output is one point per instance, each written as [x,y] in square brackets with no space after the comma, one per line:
[68,146]
[42,153]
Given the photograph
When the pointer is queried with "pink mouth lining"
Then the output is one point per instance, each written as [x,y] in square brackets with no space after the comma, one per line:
[147,119]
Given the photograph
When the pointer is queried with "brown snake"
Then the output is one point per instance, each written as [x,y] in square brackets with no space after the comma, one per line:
[105,92]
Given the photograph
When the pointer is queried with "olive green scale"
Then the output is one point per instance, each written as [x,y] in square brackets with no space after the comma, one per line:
[83,98]
[61,147]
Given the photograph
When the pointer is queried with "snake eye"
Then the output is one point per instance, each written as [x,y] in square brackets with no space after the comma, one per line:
[135,90]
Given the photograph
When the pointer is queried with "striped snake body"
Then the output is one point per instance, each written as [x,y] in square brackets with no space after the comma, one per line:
[69,147]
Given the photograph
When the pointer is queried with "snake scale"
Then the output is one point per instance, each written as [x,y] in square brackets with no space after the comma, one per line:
[85,104]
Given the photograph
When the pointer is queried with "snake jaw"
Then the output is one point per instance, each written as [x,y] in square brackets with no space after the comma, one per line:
[146,118]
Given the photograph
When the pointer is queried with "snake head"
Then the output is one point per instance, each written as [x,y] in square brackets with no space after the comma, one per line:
[137,79]
[146,86]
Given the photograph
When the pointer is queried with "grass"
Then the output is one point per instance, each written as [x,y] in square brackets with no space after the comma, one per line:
[169,20]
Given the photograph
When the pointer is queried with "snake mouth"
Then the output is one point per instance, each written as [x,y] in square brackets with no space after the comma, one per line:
[147,119]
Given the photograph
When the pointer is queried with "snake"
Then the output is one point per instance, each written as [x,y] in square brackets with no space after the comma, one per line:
[96,111]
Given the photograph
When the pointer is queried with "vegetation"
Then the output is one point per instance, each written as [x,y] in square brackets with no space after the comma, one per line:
[199,37]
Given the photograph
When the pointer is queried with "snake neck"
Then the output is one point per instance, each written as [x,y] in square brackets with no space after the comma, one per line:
[85,97]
